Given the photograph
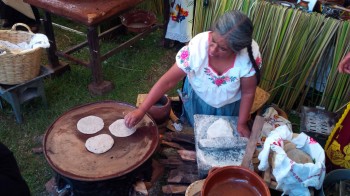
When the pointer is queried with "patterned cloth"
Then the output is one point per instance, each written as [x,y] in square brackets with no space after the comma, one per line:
[294,178]
[180,21]
[216,90]
[338,144]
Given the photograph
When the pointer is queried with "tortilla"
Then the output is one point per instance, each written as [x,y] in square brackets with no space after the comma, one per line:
[90,124]
[220,128]
[99,144]
[119,129]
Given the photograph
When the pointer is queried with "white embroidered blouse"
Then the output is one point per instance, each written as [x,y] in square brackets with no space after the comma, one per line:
[216,90]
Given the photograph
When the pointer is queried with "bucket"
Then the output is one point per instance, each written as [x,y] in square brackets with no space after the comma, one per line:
[334,177]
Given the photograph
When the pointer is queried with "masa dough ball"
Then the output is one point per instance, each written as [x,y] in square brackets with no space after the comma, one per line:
[220,128]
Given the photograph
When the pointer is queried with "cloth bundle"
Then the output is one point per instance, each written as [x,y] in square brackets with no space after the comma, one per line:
[38,40]
[294,178]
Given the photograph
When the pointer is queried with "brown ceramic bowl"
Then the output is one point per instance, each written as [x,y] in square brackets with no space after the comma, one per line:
[138,21]
[234,180]
[161,110]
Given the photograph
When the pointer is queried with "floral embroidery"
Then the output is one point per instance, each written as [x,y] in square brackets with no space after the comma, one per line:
[258,62]
[179,15]
[218,80]
[184,56]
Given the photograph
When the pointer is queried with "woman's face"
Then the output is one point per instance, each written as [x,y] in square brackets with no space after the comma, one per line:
[218,46]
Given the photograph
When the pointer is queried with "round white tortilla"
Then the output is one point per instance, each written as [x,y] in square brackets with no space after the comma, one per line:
[99,144]
[119,129]
[90,124]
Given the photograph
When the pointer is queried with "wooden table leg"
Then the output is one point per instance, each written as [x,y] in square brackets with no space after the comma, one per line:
[55,65]
[98,85]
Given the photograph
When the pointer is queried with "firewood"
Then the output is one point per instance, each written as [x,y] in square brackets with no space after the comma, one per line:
[181,137]
[157,171]
[171,162]
[172,144]
[253,139]
[187,155]
[140,188]
[174,189]
[182,176]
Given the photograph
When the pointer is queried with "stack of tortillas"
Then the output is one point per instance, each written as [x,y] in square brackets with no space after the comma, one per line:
[103,142]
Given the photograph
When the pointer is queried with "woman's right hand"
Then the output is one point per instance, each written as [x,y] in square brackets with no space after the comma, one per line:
[134,117]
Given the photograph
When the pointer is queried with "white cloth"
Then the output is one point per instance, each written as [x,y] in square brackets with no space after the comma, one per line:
[216,90]
[180,21]
[37,41]
[294,178]
[272,120]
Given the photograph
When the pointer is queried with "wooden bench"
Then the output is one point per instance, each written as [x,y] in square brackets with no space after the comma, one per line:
[91,14]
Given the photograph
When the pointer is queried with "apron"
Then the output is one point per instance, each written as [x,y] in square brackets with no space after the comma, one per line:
[193,104]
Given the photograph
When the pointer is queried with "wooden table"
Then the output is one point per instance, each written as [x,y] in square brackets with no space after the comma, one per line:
[90,13]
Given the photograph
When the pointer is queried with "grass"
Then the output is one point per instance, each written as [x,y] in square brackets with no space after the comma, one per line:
[132,71]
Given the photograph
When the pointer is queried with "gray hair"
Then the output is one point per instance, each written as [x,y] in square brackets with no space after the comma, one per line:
[237,28]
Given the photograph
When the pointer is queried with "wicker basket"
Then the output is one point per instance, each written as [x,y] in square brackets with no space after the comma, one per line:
[261,97]
[23,66]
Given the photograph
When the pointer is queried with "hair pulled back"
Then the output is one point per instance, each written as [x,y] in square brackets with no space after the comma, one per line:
[237,29]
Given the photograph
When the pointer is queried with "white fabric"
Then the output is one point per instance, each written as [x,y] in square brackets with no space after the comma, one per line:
[272,120]
[37,41]
[216,90]
[294,178]
[20,6]
[180,21]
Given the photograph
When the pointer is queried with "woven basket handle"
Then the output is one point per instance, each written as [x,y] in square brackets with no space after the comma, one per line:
[14,27]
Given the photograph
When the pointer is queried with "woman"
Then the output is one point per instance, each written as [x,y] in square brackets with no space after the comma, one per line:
[11,180]
[344,65]
[221,69]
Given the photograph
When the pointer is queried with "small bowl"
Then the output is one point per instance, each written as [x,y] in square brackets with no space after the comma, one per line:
[195,188]
[160,111]
[138,21]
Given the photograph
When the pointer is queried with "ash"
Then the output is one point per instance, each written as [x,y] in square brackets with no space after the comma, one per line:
[206,159]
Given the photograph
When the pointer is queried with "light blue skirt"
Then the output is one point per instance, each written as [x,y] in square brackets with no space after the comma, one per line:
[193,104]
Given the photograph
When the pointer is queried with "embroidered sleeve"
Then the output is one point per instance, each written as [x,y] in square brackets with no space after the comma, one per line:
[258,60]
[183,58]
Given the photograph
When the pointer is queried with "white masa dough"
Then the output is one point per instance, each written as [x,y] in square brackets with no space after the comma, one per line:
[220,128]
[90,124]
[99,144]
[119,129]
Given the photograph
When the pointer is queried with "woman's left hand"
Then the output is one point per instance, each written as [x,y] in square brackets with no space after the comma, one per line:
[243,130]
